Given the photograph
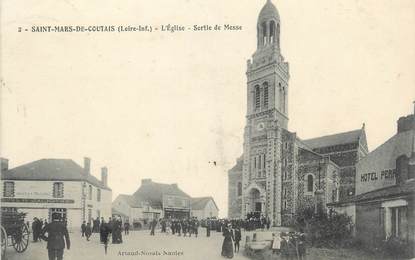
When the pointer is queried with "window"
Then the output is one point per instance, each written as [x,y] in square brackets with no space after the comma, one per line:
[283,100]
[280,96]
[239,189]
[265,95]
[98,195]
[399,222]
[257,97]
[8,189]
[272,32]
[90,192]
[89,215]
[58,190]
[259,162]
[264,33]
[310,183]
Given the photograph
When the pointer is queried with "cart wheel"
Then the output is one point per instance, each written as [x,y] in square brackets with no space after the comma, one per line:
[20,239]
[3,242]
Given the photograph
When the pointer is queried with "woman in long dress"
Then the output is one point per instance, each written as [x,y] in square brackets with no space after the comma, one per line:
[227,246]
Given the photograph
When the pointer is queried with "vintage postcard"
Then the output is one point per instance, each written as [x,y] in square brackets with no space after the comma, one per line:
[190,129]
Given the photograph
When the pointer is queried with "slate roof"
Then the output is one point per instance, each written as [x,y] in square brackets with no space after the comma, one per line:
[238,166]
[51,170]
[201,202]
[152,192]
[335,139]
[406,188]
[116,212]
[132,201]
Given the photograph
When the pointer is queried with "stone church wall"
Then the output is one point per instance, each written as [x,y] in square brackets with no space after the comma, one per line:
[234,201]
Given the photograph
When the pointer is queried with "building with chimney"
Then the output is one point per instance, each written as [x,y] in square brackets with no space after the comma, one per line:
[278,173]
[384,204]
[154,200]
[48,186]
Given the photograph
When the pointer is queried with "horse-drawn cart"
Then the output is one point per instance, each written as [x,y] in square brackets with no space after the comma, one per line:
[14,231]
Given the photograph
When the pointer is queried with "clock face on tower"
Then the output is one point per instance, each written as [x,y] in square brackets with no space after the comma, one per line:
[260,126]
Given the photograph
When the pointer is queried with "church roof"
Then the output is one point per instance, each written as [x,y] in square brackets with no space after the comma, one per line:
[153,192]
[51,170]
[335,139]
[269,11]
[201,202]
[238,166]
[116,212]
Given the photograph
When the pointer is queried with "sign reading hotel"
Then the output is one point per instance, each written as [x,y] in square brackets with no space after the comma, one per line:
[388,174]
[176,202]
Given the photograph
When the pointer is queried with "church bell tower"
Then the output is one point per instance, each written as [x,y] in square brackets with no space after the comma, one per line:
[267,114]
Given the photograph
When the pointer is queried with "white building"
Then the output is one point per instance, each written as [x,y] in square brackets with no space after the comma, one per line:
[204,207]
[159,200]
[46,186]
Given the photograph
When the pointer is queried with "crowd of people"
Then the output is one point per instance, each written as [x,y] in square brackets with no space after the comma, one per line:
[179,227]
[286,245]
[289,246]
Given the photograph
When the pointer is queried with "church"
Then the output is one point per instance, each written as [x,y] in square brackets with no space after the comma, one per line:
[279,173]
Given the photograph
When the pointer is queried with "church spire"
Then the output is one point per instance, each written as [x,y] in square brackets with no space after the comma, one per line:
[268,26]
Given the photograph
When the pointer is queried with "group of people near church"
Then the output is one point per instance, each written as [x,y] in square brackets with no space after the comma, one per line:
[232,237]
[185,226]
[289,246]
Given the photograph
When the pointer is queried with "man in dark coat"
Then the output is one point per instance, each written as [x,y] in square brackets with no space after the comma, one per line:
[196,227]
[88,231]
[104,232]
[237,236]
[126,228]
[153,225]
[57,238]
[34,229]
[83,228]
[208,227]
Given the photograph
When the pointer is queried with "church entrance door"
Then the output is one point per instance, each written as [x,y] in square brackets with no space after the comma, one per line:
[258,206]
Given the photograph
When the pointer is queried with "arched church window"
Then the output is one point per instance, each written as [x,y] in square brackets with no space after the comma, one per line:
[257,97]
[310,183]
[258,33]
[264,33]
[266,95]
[239,189]
[280,96]
[283,99]
[272,32]
[259,162]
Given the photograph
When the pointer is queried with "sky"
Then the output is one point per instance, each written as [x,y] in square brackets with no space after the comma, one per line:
[166,105]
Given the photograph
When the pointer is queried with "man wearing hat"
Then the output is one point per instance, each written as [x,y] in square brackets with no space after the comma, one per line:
[57,231]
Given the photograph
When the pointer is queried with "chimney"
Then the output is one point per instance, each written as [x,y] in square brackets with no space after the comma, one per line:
[174,185]
[145,181]
[104,176]
[87,165]
[406,123]
[4,164]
